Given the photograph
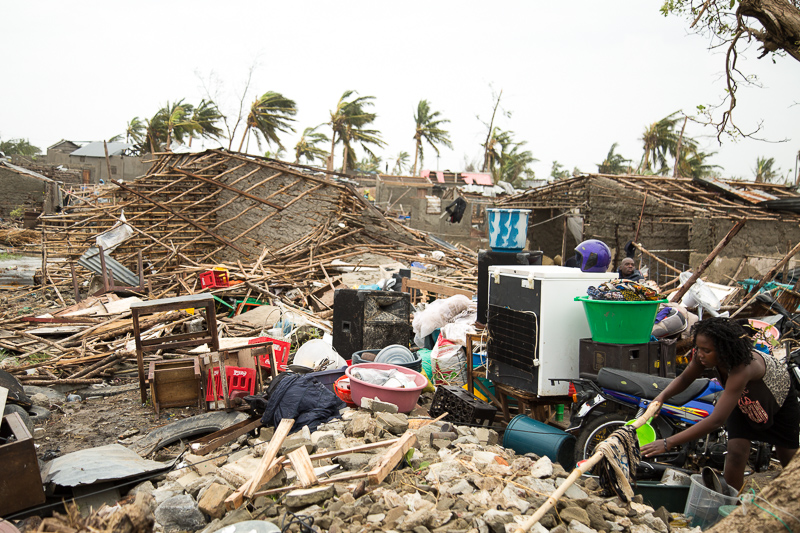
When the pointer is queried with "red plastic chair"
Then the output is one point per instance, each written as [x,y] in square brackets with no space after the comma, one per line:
[281,353]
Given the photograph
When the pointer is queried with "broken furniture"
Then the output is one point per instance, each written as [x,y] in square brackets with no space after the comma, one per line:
[175,383]
[461,406]
[206,336]
[20,483]
[238,378]
[98,261]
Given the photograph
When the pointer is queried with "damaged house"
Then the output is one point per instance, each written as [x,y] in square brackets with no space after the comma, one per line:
[680,220]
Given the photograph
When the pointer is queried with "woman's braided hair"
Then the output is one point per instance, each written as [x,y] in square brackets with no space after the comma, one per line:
[731,341]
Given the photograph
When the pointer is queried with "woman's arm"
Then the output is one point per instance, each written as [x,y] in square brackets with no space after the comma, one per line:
[734,387]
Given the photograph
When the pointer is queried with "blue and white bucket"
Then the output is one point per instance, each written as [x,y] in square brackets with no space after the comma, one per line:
[508,229]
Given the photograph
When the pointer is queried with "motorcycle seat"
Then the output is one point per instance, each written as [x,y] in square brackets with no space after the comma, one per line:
[647,386]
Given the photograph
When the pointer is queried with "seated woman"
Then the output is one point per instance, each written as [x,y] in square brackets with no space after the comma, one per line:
[759,402]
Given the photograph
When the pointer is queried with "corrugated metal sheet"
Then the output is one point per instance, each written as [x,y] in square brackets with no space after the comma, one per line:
[782,204]
[91,260]
[104,463]
[753,197]
[25,171]
[96,149]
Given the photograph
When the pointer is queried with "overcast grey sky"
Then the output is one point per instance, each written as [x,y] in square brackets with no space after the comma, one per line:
[576,75]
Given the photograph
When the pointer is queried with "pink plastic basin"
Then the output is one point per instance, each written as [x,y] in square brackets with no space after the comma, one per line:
[404,399]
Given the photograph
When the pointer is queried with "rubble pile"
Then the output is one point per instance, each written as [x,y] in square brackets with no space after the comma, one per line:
[455,478]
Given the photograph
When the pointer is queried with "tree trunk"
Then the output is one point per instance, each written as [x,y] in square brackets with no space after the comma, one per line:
[333,145]
[678,151]
[246,131]
[344,155]
[781,22]
[489,136]
[416,152]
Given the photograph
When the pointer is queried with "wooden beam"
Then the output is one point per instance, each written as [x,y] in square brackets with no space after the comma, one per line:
[232,189]
[392,457]
[301,463]
[185,219]
[275,443]
[707,261]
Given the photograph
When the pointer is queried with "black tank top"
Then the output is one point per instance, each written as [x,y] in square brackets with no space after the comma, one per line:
[763,397]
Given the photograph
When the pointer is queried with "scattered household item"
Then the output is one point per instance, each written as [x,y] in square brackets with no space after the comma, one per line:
[461,407]
[329,377]
[508,229]
[654,358]
[280,348]
[535,303]
[400,356]
[369,319]
[703,504]
[405,399]
[448,363]
[437,314]
[318,355]
[714,481]
[364,356]
[526,435]
[656,494]
[644,433]
[672,321]
[100,262]
[699,295]
[175,383]
[620,322]
[341,387]
[250,526]
[205,336]
[241,382]
[215,278]
[21,483]
[300,398]
[487,258]
[593,255]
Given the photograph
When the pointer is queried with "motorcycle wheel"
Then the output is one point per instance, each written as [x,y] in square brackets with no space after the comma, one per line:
[596,432]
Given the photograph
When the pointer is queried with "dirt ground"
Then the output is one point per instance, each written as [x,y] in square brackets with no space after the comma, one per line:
[97,421]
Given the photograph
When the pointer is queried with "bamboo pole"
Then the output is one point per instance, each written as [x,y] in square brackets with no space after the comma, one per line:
[707,261]
[652,409]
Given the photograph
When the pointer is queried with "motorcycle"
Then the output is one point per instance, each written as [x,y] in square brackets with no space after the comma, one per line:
[618,396]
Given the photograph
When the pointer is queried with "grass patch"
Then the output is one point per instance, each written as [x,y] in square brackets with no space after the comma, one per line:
[38,358]
[9,257]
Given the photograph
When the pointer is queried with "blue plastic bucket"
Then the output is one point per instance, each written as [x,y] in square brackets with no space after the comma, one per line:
[526,435]
[508,229]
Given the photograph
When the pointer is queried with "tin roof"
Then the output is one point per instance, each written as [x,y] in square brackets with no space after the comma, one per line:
[96,149]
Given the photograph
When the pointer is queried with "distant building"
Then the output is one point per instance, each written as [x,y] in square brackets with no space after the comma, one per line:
[90,158]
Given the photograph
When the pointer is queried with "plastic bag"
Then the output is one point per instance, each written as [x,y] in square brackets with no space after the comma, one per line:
[436,315]
[448,363]
[384,378]
[118,234]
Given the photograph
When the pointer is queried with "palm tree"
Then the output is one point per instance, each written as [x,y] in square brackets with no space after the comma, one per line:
[694,165]
[347,123]
[614,163]
[506,159]
[400,163]
[19,147]
[428,128]
[271,113]
[368,165]
[307,146]
[203,121]
[764,172]
[558,172]
[134,132]
[661,139]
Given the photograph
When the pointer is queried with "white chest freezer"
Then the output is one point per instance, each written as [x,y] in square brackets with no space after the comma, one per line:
[534,325]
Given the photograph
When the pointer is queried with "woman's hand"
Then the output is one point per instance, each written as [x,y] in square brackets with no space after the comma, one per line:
[656,448]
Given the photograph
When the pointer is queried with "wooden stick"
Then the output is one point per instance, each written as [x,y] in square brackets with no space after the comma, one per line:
[652,409]
[774,270]
[707,261]
[641,215]
[301,463]
[639,247]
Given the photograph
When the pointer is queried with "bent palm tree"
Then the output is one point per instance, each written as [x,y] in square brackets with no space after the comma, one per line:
[307,147]
[614,163]
[347,123]
[400,163]
[764,172]
[661,139]
[203,121]
[271,113]
[428,128]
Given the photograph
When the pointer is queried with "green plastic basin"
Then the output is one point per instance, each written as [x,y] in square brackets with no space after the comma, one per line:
[620,322]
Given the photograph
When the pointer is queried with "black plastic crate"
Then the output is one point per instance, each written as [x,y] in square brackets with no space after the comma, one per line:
[461,407]
[655,358]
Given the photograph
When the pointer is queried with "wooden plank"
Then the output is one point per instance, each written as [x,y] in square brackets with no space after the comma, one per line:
[235,500]
[275,443]
[433,287]
[301,463]
[392,457]
[211,442]
[217,183]
[3,397]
